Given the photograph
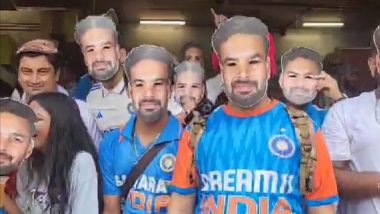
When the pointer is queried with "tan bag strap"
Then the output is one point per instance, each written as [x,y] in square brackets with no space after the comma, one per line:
[305,134]
[197,127]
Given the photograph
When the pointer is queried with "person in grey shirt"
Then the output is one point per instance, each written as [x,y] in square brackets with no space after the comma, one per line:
[61,176]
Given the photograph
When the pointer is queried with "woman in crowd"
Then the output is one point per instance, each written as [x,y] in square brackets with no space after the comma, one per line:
[62,174]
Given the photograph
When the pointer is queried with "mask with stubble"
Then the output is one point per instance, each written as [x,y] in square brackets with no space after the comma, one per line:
[150,110]
[246,93]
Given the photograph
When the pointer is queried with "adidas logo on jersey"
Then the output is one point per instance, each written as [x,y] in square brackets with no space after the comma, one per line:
[99,115]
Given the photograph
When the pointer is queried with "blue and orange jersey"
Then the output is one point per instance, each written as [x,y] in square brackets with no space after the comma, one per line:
[316,114]
[251,164]
[121,150]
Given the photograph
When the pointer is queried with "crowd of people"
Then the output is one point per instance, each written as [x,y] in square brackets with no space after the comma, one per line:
[147,133]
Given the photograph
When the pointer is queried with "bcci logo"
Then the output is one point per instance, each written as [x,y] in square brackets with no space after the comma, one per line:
[282,146]
[167,163]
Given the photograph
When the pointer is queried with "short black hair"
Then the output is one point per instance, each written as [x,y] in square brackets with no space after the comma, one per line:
[187,46]
[53,59]
[239,25]
[7,105]
[301,52]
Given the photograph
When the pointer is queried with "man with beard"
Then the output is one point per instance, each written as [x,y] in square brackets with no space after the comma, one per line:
[301,79]
[352,136]
[248,158]
[108,100]
[150,71]
[16,144]
[190,89]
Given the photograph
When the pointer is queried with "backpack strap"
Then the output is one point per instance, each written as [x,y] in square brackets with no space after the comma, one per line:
[197,126]
[305,134]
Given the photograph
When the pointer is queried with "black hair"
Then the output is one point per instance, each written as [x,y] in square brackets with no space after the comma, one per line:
[8,105]
[67,137]
[301,52]
[187,46]
[53,59]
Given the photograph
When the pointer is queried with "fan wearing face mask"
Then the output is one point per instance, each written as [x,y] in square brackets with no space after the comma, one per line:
[302,78]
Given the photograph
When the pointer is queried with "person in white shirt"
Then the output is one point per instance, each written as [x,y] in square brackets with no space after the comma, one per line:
[108,100]
[351,130]
[38,71]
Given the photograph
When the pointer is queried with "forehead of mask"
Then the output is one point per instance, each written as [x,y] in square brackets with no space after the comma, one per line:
[15,124]
[148,71]
[41,67]
[301,67]
[242,47]
[97,37]
[189,78]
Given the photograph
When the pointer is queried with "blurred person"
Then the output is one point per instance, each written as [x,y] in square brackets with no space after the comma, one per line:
[61,175]
[352,136]
[137,160]
[349,80]
[38,64]
[245,158]
[193,52]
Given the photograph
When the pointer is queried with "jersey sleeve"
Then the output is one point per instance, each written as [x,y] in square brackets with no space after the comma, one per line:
[84,185]
[181,182]
[336,134]
[325,190]
[106,158]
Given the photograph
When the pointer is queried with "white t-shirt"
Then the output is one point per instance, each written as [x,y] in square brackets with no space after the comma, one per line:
[214,88]
[353,134]
[110,108]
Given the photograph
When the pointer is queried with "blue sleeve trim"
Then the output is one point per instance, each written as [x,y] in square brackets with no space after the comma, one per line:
[181,191]
[327,201]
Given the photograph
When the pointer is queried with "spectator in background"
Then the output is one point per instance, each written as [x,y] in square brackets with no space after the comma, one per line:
[193,52]
[38,71]
[349,80]
[61,175]
[352,136]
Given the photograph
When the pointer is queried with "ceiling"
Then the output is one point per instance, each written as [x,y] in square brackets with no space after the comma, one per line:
[280,15]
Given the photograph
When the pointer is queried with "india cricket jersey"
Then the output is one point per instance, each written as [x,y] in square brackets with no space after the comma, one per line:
[251,164]
[120,151]
[316,114]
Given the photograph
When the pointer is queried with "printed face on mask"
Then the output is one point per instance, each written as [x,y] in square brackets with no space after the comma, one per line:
[298,81]
[15,142]
[245,69]
[189,87]
[149,89]
[101,53]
